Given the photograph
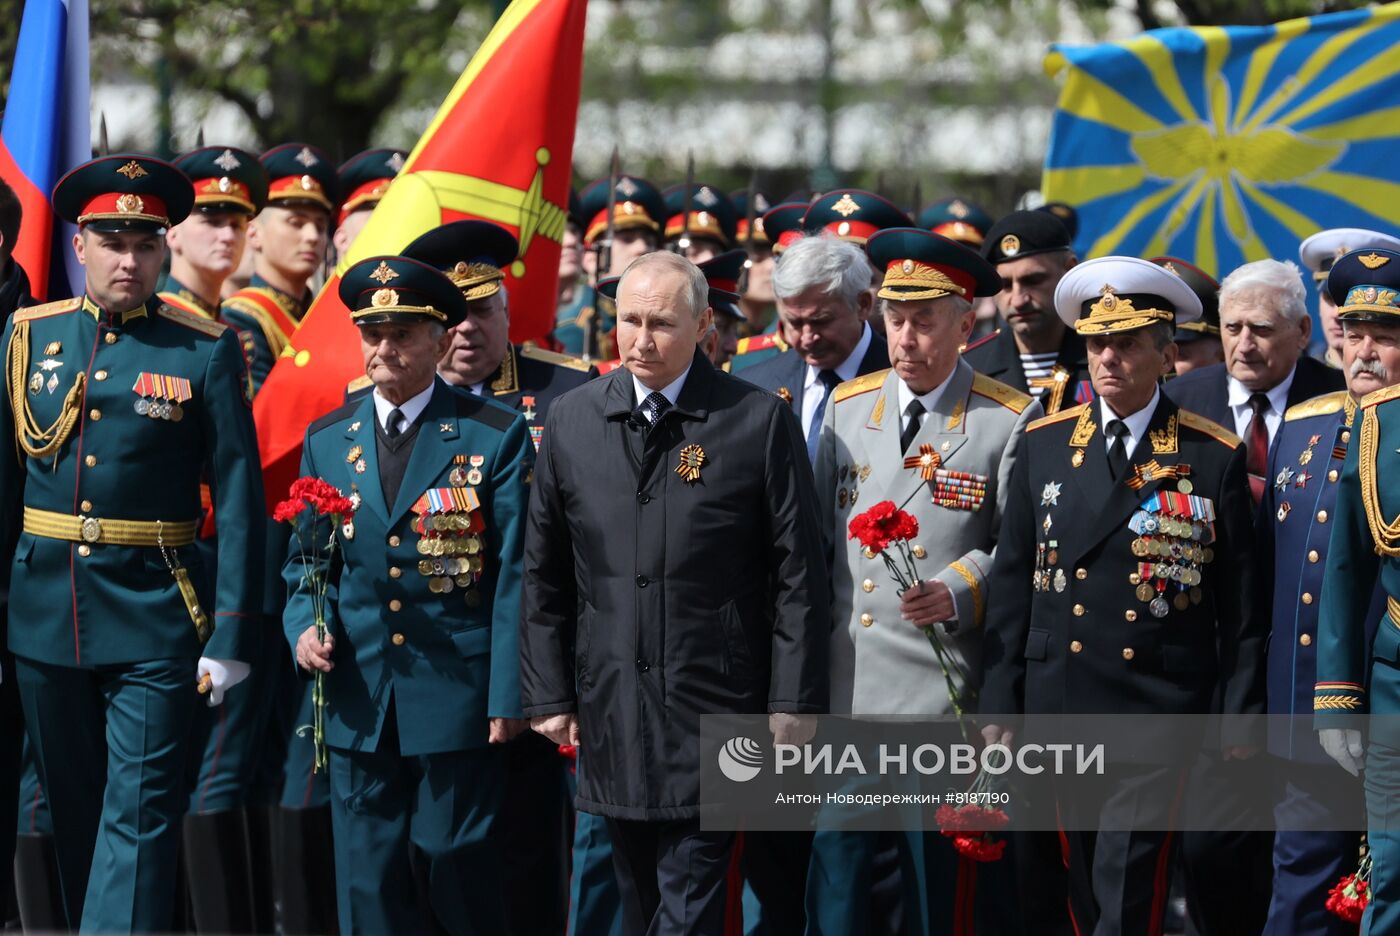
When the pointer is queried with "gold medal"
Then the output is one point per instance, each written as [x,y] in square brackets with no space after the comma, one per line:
[425,567]
[424,547]
[1139,547]
[447,585]
[177,412]
[435,585]
[473,544]
[1181,602]
[1185,486]
[1145,592]
[1077,458]
[477,564]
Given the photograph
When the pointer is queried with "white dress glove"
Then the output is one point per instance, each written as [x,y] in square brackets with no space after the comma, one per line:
[1343,745]
[223,676]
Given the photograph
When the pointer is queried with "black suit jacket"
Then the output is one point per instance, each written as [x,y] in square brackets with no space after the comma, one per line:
[1204,391]
[788,372]
[650,600]
[998,357]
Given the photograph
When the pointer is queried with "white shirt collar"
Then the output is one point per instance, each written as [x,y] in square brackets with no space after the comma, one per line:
[929,400]
[1136,422]
[411,408]
[671,391]
[1278,396]
[847,369]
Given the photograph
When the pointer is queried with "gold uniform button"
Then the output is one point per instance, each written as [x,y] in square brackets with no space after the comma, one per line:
[395,604]
[1079,610]
[1312,555]
[100,375]
[919,551]
[398,639]
[1322,516]
[85,550]
[1307,597]
[1083,573]
[1130,615]
[1128,653]
[1134,578]
[1075,646]
[395,571]
[95,414]
[86,506]
[867,619]
[1305,640]
[1332,475]
[90,461]
[868,585]
[111,338]
[393,540]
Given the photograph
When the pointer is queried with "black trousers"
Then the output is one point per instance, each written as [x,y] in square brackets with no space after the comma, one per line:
[672,876]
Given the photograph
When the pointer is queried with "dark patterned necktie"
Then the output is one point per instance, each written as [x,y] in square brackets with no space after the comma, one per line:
[1256,458]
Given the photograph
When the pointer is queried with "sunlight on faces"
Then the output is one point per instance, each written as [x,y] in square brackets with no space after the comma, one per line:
[122,268]
[478,345]
[722,342]
[1126,366]
[627,246]
[1327,317]
[210,241]
[656,330]
[291,241]
[924,337]
[758,288]
[1370,356]
[701,249]
[1027,297]
[822,328]
[401,357]
[1261,344]
[349,229]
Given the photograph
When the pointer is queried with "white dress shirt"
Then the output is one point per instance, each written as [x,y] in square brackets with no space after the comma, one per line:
[813,391]
[1278,404]
[410,408]
[671,391]
[1136,423]
[929,400]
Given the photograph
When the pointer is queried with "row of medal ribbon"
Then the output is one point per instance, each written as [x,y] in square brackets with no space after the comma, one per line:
[159,396]
[449,525]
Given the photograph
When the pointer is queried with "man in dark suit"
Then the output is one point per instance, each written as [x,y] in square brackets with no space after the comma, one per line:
[1093,629]
[668,496]
[824,299]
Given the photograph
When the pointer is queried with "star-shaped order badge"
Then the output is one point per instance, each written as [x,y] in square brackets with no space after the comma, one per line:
[692,460]
[1050,496]
[1284,476]
[926,462]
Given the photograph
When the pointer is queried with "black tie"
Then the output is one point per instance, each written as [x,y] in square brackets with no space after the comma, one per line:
[913,414]
[1118,448]
[391,427]
[656,404]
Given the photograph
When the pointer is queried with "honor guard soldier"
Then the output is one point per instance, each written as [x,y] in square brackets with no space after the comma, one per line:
[704,230]
[957,219]
[288,238]
[1198,343]
[638,211]
[724,273]
[928,424]
[1312,849]
[1081,621]
[362,181]
[1034,351]
[783,225]
[1356,673]
[852,215]
[757,301]
[230,187]
[1317,254]
[422,678]
[118,405]
[575,301]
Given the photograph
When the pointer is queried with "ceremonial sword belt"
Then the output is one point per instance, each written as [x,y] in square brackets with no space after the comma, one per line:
[158,533]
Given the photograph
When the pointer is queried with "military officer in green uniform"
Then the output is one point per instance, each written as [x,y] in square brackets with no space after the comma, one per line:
[1318,253]
[289,239]
[117,405]
[363,179]
[207,247]
[1198,343]
[782,224]
[700,221]
[422,670]
[756,301]
[957,219]
[575,301]
[1354,679]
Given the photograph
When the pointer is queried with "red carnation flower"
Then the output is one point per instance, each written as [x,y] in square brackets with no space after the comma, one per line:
[982,848]
[1348,897]
[287,510]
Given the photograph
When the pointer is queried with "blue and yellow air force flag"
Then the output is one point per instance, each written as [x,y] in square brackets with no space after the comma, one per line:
[1226,145]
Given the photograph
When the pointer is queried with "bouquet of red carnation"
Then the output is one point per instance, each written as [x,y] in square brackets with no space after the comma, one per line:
[323,500]
[1349,896]
[971,826]
[881,527]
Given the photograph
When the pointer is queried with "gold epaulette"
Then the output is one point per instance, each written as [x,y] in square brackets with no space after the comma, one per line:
[554,357]
[359,383]
[761,343]
[190,320]
[1009,397]
[862,384]
[1216,431]
[57,307]
[1072,413]
[1317,406]
[1380,396]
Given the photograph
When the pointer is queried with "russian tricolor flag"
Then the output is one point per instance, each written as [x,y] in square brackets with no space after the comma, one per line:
[46,132]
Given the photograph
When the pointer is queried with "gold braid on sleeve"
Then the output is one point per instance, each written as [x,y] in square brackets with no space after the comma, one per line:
[34,441]
[1386,535]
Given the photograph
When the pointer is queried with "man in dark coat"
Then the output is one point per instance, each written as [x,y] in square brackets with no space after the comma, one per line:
[712,598]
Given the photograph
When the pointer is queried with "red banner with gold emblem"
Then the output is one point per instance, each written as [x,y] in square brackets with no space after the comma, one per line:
[499,149]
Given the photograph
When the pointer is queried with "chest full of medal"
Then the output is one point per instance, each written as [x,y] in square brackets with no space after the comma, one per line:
[1174,532]
[451,541]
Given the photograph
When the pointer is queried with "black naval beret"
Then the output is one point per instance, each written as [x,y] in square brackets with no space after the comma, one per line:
[1066,213]
[364,178]
[1206,289]
[958,219]
[711,214]
[722,273]
[126,192]
[636,204]
[783,224]
[1025,234]
[853,215]
[473,254]
[1365,285]
[918,264]
[225,179]
[297,172]
[761,204]
[397,289]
